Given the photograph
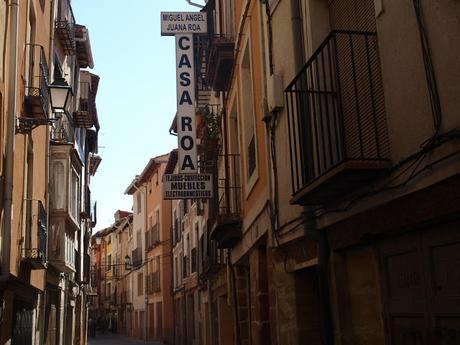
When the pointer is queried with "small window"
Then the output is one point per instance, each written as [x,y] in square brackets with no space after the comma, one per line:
[140,284]
[139,202]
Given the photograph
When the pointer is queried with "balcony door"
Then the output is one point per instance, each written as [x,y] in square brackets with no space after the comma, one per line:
[356,15]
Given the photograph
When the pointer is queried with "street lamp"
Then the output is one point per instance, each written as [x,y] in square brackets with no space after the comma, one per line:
[128,263]
[60,93]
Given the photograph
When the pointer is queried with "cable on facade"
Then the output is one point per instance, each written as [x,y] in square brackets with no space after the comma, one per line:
[429,68]
[270,35]
[415,162]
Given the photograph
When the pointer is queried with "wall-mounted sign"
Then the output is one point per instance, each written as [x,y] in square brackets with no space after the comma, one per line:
[183,25]
[173,23]
[187,186]
[186,129]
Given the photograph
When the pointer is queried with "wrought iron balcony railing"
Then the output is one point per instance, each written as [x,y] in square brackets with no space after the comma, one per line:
[137,257]
[62,130]
[155,281]
[83,117]
[34,252]
[213,258]
[194,260]
[65,27]
[220,62]
[336,117]
[36,102]
[185,269]
[226,211]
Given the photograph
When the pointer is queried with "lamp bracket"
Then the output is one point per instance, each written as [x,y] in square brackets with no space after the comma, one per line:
[26,124]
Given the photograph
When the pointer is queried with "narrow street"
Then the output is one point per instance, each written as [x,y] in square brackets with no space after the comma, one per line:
[116,339]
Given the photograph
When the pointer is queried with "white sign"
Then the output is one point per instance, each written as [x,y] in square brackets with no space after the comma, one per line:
[183,23]
[186,129]
[187,186]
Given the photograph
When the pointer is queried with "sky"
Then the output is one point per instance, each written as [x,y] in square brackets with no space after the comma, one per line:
[136,99]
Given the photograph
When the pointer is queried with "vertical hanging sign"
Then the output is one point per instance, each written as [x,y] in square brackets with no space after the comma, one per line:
[186,129]
[184,25]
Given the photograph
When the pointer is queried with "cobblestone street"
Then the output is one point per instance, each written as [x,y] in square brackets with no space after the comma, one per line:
[115,339]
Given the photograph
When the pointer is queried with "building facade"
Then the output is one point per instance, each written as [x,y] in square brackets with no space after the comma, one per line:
[336,144]
[49,156]
[151,258]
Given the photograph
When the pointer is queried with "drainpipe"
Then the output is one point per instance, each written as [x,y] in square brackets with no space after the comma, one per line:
[10,133]
[310,228]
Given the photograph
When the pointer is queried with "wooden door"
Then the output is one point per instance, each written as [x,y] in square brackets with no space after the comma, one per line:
[421,287]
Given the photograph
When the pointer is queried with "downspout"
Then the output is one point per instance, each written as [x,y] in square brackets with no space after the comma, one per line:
[47,173]
[310,228]
[172,274]
[10,133]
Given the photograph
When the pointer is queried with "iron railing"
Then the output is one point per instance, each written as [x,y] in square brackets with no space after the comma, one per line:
[65,27]
[220,62]
[137,257]
[336,108]
[62,130]
[213,258]
[35,251]
[37,91]
[228,186]
[194,260]
[155,281]
[83,117]
[185,270]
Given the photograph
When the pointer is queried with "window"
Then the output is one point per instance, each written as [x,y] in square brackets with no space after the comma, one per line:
[156,179]
[108,263]
[140,284]
[74,194]
[139,239]
[247,112]
[2,34]
[176,269]
[139,202]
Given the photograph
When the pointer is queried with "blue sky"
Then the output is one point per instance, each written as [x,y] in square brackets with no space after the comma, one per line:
[136,100]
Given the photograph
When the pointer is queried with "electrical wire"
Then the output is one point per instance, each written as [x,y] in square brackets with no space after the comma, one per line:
[429,68]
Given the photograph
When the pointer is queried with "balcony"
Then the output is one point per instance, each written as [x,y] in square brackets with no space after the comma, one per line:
[137,257]
[65,186]
[64,27]
[194,260]
[86,268]
[336,119]
[62,248]
[83,47]
[62,131]
[213,258]
[36,99]
[226,212]
[83,117]
[152,236]
[220,62]
[155,282]
[34,252]
[201,53]
[86,212]
[94,162]
[185,269]
[94,214]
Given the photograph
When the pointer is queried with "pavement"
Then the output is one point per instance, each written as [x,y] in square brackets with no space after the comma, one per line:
[117,339]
